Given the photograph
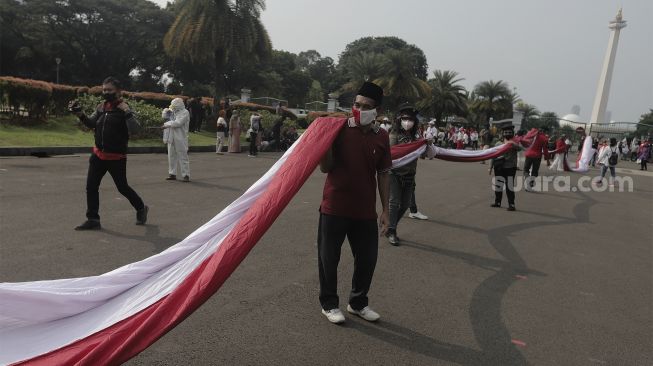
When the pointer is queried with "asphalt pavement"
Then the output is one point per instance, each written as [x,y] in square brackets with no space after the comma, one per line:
[567,279]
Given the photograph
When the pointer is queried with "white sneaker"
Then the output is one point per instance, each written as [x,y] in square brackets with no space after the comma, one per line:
[335,316]
[366,313]
[418,215]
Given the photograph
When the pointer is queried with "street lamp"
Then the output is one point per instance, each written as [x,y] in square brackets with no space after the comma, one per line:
[58,61]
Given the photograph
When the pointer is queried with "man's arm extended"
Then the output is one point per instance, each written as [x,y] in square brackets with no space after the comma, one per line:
[384,189]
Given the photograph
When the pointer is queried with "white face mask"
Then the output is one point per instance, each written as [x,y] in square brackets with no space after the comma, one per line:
[407,124]
[367,117]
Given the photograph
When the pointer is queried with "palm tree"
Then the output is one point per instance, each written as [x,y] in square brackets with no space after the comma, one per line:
[217,31]
[550,120]
[365,66]
[447,97]
[530,115]
[492,99]
[399,81]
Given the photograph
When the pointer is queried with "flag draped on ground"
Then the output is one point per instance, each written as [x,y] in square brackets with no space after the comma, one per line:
[109,318]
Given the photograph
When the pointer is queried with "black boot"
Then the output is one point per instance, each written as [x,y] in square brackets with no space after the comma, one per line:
[141,215]
[171,177]
[511,207]
[89,225]
[496,204]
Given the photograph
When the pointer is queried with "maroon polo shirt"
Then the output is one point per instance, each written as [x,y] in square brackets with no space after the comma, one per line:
[350,187]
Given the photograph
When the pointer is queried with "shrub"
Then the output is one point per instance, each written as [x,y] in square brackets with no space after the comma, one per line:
[61,95]
[146,114]
[33,95]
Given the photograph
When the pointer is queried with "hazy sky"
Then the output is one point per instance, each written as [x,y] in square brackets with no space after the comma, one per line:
[551,50]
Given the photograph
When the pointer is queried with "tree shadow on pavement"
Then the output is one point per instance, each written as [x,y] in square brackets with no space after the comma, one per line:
[415,342]
[490,332]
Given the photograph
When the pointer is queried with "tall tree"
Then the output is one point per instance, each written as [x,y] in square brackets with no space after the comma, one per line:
[93,39]
[365,66]
[381,45]
[447,96]
[399,82]
[492,99]
[549,120]
[530,115]
[645,126]
[217,31]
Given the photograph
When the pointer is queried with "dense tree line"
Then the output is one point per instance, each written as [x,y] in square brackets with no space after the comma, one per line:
[215,48]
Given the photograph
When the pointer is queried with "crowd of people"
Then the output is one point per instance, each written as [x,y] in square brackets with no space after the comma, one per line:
[358,164]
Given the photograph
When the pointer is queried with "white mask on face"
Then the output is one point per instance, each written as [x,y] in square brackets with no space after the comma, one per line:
[367,117]
[407,124]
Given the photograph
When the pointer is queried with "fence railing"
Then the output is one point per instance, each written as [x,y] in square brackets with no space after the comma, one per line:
[316,106]
[269,101]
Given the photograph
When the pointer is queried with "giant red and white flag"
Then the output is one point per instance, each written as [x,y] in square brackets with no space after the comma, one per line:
[109,318]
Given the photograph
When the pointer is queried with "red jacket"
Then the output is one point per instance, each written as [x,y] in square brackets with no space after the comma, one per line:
[539,147]
[560,147]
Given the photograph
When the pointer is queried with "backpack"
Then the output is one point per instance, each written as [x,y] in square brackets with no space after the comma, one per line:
[614,158]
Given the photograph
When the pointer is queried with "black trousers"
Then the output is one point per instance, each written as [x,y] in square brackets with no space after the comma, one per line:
[531,169]
[363,236]
[504,178]
[253,150]
[97,168]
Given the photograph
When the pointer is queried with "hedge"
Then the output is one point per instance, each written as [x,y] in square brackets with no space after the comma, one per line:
[41,98]
[148,116]
[33,95]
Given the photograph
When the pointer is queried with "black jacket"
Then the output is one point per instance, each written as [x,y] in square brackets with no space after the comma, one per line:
[112,128]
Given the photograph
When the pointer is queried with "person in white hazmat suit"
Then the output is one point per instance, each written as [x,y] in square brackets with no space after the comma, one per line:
[176,136]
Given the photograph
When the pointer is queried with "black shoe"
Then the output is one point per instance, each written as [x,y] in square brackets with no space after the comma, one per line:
[511,208]
[141,216]
[89,225]
[186,179]
[172,177]
[495,205]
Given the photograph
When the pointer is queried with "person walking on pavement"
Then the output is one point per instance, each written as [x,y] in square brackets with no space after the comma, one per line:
[607,158]
[560,153]
[234,132]
[505,168]
[221,130]
[357,164]
[112,123]
[254,129]
[402,179]
[178,140]
[644,153]
[533,158]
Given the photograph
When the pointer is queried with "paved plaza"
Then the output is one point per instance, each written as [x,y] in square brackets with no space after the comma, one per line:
[567,279]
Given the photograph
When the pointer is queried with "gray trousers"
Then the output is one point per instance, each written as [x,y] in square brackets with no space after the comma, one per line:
[401,195]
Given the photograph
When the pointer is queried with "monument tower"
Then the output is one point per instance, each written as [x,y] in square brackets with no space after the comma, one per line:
[603,89]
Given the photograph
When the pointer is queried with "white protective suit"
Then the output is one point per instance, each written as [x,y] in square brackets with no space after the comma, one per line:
[177,138]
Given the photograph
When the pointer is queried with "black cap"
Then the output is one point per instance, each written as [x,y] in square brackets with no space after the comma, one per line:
[407,109]
[372,91]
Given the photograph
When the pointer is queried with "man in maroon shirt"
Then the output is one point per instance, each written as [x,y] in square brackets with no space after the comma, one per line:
[533,158]
[358,157]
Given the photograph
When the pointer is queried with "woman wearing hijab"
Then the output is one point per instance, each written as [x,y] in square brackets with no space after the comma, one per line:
[234,132]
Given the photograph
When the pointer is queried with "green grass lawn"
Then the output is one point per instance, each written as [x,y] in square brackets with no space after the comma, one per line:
[64,131]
